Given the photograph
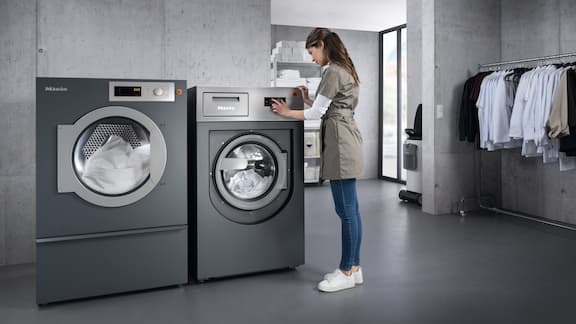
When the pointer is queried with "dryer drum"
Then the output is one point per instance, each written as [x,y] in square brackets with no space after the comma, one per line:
[112,156]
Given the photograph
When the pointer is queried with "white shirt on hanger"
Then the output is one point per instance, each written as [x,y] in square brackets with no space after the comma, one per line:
[533,102]
[500,119]
[519,105]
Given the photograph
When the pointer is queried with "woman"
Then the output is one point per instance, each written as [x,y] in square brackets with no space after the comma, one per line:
[341,161]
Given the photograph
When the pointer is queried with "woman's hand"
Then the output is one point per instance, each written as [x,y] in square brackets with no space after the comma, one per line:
[279,107]
[304,91]
[305,95]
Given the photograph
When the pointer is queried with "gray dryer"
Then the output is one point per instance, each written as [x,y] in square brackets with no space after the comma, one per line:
[247,190]
[111,186]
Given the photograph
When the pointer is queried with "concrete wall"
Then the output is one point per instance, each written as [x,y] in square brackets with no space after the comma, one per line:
[414,57]
[535,28]
[206,42]
[17,130]
[452,37]
[467,32]
[363,49]
[428,79]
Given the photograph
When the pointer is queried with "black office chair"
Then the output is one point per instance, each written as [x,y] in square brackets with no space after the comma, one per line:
[416,132]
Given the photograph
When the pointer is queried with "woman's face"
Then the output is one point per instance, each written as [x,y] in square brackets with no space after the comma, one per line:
[317,53]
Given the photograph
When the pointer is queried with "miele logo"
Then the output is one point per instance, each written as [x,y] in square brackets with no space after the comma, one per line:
[226,108]
[55,89]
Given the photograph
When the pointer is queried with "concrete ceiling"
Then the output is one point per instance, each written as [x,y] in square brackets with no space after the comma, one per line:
[368,15]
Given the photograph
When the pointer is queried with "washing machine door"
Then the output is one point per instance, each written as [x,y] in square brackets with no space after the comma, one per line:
[111,157]
[250,174]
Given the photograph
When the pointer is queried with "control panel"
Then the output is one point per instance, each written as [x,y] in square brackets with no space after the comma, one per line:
[242,104]
[141,91]
[268,100]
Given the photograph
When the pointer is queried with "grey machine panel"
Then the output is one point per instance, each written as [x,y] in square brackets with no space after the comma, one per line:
[243,104]
[239,233]
[96,265]
[91,242]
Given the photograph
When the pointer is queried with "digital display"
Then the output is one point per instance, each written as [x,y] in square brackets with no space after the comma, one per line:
[268,100]
[128,91]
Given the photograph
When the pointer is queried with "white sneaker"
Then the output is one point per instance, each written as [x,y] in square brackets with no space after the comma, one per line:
[339,281]
[358,276]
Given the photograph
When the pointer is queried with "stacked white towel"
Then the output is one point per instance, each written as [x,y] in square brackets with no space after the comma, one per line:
[291,51]
[293,83]
[289,74]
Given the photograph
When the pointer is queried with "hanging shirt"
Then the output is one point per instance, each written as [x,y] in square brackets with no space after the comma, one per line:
[568,143]
[494,113]
[549,147]
[483,110]
[468,122]
[558,118]
[531,110]
[465,130]
[516,129]
[500,113]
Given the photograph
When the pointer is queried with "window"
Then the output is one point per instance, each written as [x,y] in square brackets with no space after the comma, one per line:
[393,83]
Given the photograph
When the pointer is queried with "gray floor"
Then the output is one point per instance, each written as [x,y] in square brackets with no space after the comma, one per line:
[418,269]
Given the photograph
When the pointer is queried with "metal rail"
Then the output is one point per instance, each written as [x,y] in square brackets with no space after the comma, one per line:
[536,61]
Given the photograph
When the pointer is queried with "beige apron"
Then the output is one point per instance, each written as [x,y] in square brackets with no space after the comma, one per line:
[341,146]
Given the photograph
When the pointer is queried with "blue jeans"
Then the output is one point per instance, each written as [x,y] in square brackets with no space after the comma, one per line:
[346,204]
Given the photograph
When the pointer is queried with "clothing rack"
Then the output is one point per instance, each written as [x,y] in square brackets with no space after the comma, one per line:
[521,63]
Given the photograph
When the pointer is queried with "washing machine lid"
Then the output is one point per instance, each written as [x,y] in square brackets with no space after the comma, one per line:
[111,157]
[250,172]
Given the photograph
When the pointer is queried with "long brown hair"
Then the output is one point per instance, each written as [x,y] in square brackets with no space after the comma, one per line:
[334,49]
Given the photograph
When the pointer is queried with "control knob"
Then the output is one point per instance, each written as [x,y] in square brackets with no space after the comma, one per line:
[158,92]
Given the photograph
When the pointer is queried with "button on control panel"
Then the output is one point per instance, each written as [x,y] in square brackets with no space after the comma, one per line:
[158,91]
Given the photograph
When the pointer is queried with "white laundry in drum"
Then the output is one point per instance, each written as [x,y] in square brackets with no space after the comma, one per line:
[248,184]
[117,168]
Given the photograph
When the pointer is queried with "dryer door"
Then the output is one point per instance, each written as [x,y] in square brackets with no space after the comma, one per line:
[111,157]
[250,172]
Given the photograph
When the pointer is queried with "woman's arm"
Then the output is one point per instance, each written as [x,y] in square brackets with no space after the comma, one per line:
[319,108]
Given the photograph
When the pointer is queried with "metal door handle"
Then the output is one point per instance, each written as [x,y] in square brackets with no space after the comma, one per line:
[233,164]
[284,180]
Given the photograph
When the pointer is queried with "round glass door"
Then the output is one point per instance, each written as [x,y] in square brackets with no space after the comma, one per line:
[250,172]
[112,156]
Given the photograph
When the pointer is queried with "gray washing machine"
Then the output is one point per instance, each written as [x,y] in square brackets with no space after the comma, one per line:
[111,186]
[249,182]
